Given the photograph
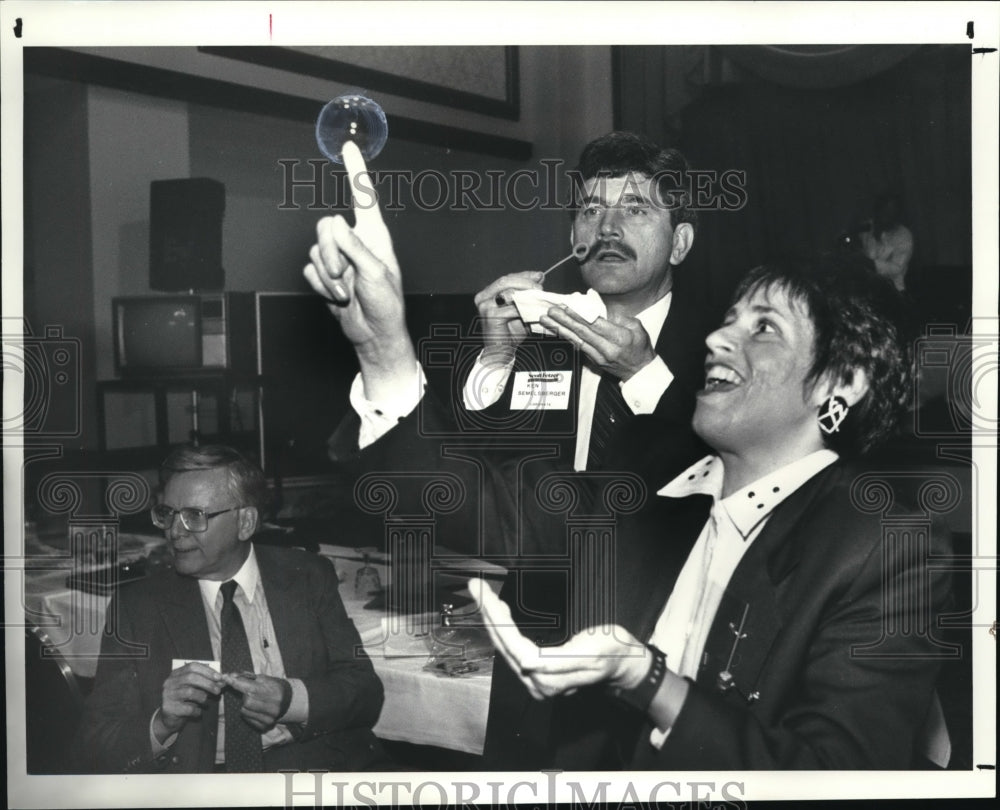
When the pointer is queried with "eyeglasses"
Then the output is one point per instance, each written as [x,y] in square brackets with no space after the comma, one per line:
[194,520]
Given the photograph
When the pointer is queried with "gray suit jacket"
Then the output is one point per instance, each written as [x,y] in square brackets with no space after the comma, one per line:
[153,621]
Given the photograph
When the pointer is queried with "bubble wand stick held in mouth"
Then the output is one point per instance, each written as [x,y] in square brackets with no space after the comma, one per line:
[579,253]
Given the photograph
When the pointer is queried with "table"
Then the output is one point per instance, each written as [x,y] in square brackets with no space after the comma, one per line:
[420,707]
[73,619]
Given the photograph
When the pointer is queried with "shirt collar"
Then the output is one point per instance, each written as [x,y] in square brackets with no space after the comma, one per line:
[247,578]
[653,317]
[701,478]
[747,506]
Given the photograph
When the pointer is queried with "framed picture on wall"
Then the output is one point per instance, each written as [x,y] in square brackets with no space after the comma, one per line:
[483,79]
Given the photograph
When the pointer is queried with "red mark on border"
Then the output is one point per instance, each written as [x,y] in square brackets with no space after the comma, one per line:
[270,26]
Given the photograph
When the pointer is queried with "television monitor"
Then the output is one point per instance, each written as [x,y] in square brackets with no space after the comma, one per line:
[158,334]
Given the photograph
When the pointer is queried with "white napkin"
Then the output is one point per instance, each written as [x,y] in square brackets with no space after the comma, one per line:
[532,304]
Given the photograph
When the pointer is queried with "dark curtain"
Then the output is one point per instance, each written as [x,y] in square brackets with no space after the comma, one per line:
[819,132]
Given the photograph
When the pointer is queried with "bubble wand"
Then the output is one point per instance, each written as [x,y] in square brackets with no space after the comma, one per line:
[579,252]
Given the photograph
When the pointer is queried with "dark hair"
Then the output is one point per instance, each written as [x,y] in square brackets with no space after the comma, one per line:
[887,212]
[619,154]
[860,322]
[246,480]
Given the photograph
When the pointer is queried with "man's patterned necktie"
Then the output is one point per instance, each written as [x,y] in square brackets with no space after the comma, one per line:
[610,410]
[243,748]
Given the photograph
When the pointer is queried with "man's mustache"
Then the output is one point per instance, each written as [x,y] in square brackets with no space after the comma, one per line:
[613,245]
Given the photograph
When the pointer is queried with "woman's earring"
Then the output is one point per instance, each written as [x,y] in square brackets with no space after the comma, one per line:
[832,414]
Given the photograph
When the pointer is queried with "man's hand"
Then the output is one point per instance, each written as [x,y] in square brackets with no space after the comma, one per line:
[608,654]
[356,271]
[621,348]
[503,328]
[185,692]
[265,699]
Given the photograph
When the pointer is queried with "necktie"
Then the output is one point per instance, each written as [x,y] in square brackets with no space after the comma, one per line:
[243,750]
[610,411]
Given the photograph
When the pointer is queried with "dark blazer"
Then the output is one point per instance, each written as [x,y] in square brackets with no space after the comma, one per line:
[645,444]
[501,456]
[153,621]
[836,669]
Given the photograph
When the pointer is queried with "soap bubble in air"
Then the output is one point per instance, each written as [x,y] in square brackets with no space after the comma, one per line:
[351,117]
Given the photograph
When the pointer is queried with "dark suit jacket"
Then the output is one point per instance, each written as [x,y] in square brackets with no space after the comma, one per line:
[645,444]
[165,614]
[836,669]
[500,456]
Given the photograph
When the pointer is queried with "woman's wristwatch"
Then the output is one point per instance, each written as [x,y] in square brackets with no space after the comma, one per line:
[642,695]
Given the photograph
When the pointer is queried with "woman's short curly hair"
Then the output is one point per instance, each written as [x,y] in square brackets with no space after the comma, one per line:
[861,322]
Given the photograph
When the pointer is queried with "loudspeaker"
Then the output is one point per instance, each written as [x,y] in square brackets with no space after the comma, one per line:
[185,234]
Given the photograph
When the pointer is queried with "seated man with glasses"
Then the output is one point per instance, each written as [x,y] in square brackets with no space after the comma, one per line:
[240,658]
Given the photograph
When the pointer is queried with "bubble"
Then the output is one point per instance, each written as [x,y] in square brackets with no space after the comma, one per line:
[352,117]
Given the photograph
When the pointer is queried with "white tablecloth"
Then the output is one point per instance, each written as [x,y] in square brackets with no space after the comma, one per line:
[72,619]
[420,707]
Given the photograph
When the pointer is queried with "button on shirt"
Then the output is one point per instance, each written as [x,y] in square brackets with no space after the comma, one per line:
[252,604]
[642,391]
[734,523]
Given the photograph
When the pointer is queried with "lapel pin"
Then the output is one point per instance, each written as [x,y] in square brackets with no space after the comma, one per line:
[724,681]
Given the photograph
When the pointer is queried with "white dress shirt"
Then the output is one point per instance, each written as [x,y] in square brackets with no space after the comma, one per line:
[734,523]
[251,602]
[642,391]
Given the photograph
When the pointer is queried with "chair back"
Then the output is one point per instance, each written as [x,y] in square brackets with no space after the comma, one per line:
[53,705]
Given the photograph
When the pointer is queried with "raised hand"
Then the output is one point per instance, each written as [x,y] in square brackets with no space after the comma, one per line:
[356,271]
[502,327]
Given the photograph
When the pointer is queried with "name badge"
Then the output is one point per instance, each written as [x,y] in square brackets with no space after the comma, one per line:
[541,390]
[179,662]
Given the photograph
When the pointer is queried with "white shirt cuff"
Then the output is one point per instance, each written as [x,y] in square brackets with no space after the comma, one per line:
[298,709]
[160,747]
[658,737]
[485,384]
[378,418]
[642,391]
